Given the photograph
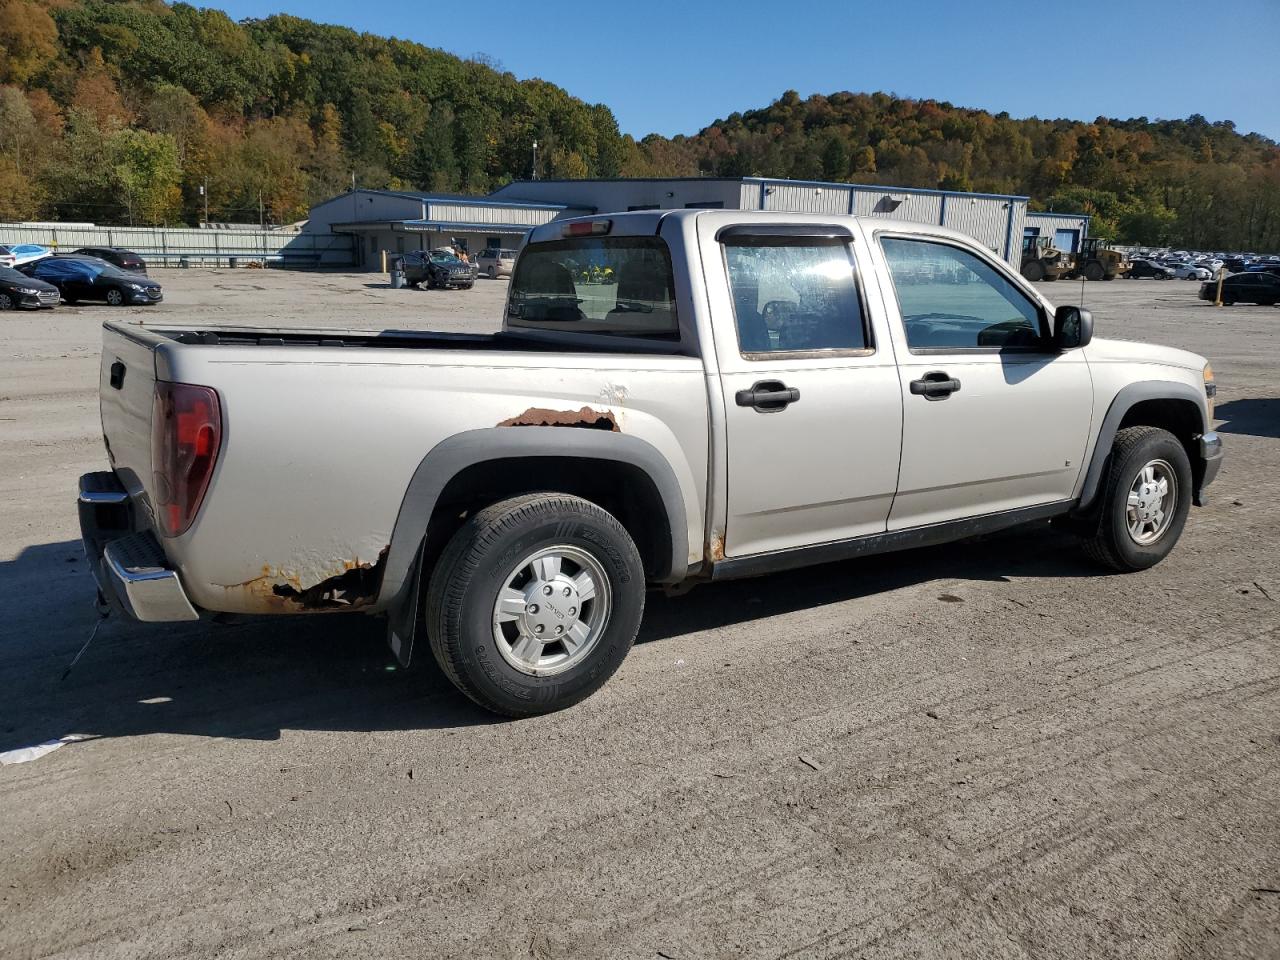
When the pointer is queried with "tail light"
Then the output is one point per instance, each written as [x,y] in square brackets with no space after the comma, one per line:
[186,432]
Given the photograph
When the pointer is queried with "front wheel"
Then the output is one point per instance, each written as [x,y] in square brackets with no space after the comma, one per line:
[115,298]
[534,603]
[1146,496]
[1093,271]
[7,302]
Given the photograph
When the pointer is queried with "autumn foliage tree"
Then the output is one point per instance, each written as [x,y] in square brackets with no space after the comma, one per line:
[122,111]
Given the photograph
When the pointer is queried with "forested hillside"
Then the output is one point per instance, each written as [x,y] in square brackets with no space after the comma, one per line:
[120,111]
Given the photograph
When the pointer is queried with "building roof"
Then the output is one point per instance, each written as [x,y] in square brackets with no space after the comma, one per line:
[781,181]
[453,198]
[416,226]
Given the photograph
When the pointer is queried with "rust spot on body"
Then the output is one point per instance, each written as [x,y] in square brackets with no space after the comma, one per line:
[717,546]
[280,591]
[584,419]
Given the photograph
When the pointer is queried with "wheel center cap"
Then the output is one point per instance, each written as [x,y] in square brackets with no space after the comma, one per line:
[551,608]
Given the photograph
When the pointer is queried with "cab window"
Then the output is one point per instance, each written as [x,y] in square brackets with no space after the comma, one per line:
[952,299]
[794,295]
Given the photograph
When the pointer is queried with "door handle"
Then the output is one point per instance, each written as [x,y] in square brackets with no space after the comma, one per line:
[767,395]
[935,385]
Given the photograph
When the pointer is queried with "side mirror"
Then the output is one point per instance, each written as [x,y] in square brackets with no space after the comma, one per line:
[1072,327]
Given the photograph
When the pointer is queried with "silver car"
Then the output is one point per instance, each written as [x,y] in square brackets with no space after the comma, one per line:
[494,262]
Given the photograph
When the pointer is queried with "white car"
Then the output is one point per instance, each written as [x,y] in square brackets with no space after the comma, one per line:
[14,254]
[1189,271]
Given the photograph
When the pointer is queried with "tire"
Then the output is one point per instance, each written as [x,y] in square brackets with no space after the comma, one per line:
[6,302]
[1109,276]
[1093,271]
[1129,541]
[115,297]
[493,273]
[1033,270]
[491,654]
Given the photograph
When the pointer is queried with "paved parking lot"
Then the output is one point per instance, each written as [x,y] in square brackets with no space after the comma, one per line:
[988,749]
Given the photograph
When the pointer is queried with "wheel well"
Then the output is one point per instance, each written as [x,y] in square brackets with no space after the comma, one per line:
[623,489]
[1179,417]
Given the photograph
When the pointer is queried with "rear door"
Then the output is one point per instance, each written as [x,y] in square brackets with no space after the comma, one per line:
[812,406]
[994,419]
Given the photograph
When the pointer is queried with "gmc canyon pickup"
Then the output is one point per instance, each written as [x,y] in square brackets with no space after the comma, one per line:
[674,396]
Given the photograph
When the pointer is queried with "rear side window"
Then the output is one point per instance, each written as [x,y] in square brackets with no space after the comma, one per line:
[952,299]
[794,295]
[621,286]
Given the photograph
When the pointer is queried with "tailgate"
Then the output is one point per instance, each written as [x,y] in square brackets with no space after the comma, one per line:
[125,389]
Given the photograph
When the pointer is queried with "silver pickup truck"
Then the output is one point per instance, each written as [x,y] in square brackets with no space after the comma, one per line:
[673,397]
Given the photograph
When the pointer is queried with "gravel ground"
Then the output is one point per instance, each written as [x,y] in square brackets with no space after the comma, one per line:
[985,750]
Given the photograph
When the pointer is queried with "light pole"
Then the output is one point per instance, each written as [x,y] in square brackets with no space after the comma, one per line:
[535,160]
[204,192]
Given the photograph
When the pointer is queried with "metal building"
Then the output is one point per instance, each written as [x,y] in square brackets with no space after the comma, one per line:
[1066,230]
[997,221]
[390,222]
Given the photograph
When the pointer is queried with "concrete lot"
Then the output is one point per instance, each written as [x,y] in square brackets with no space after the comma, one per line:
[983,750]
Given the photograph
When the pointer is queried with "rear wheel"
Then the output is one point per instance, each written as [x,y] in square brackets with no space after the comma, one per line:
[493,273]
[534,603]
[1093,271]
[1146,496]
[115,297]
[1033,270]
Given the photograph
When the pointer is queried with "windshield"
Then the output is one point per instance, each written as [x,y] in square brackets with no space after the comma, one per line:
[447,259]
[614,285]
[12,276]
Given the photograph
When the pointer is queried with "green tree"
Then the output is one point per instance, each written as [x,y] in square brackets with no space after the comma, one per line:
[145,169]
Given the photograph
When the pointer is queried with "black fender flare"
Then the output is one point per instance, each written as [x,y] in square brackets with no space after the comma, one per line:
[1124,401]
[398,594]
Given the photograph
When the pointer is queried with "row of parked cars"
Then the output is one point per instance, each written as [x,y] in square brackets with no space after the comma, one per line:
[34,277]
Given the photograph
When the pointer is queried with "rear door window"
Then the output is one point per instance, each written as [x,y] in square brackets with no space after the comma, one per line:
[612,285]
[794,295]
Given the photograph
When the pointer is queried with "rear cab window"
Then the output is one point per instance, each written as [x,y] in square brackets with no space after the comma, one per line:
[617,286]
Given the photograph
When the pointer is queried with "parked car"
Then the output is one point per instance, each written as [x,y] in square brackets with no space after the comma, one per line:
[517,491]
[118,256]
[18,291]
[1189,271]
[88,278]
[436,269]
[1143,269]
[494,262]
[16,253]
[1261,288]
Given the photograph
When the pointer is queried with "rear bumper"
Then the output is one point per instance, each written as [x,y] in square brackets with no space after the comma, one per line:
[129,567]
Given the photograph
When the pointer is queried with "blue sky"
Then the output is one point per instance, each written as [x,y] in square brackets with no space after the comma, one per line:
[672,67]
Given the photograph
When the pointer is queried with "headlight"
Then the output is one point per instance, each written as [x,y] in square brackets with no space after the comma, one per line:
[137,286]
[29,291]
[1210,390]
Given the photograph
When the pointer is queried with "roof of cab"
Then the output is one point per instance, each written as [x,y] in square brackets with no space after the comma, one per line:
[648,222]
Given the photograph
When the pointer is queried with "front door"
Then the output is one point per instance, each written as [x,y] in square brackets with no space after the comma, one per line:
[994,419]
[813,411]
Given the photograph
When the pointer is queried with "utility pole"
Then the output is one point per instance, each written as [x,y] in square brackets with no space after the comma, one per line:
[535,160]
[204,192]
[262,223]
